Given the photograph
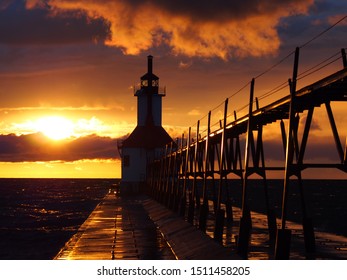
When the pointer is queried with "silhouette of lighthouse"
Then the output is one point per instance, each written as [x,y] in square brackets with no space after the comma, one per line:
[148,137]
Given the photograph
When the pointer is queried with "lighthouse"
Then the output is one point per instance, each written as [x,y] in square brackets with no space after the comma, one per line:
[148,137]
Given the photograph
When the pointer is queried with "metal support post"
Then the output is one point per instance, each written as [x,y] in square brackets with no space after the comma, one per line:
[191,208]
[179,190]
[168,176]
[204,208]
[335,132]
[161,175]
[174,178]
[246,220]
[309,236]
[163,181]
[282,248]
[271,215]
[344,58]
[185,178]
[219,223]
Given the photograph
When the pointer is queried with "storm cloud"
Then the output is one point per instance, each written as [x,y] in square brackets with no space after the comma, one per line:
[37,147]
[42,25]
[219,28]
[193,28]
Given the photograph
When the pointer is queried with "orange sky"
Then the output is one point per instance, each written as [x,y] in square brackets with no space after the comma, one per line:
[77,61]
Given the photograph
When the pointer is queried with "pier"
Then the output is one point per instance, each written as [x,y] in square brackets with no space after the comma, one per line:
[185,208]
[139,228]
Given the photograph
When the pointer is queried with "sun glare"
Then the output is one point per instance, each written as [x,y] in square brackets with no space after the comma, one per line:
[55,127]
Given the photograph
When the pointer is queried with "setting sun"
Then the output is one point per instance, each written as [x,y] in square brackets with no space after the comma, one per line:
[55,127]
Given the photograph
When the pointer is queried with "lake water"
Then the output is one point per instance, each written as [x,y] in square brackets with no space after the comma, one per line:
[37,216]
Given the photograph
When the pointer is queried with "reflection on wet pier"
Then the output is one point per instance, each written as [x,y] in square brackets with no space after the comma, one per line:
[138,228]
[328,246]
[118,228]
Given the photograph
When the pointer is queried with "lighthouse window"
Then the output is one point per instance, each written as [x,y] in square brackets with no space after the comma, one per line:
[126,160]
[155,83]
[144,83]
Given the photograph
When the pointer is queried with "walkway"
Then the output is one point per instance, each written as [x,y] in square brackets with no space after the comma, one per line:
[329,246]
[118,228]
[139,228]
[132,228]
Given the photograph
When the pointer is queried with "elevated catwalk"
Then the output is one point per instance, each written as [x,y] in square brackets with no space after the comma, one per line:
[215,155]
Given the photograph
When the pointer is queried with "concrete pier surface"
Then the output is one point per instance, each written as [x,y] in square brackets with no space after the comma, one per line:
[329,246]
[139,228]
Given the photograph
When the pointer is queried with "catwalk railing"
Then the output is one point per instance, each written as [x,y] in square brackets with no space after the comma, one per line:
[236,147]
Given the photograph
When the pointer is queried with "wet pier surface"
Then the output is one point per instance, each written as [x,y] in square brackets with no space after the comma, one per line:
[139,228]
[328,246]
[118,228]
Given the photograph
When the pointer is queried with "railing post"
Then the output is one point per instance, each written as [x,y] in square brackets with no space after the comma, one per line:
[283,240]
[335,131]
[246,220]
[179,190]
[344,58]
[284,138]
[204,208]
[260,156]
[169,176]
[219,223]
[191,208]
[165,175]
[185,178]
[161,174]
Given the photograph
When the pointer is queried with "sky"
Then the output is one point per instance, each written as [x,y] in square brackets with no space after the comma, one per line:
[68,70]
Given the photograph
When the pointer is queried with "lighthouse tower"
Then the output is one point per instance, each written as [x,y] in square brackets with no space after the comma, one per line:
[148,137]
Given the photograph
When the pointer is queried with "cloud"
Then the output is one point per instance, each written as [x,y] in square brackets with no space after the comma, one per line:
[218,28]
[335,18]
[315,124]
[37,147]
[185,65]
[42,24]
[194,112]
[4,4]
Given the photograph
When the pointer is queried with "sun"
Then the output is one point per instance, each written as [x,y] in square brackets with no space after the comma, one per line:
[55,127]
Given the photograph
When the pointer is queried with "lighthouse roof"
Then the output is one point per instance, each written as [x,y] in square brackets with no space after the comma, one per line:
[149,76]
[148,137]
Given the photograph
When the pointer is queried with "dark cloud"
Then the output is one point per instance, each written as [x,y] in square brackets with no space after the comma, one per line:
[298,29]
[37,147]
[194,28]
[4,4]
[219,10]
[46,25]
